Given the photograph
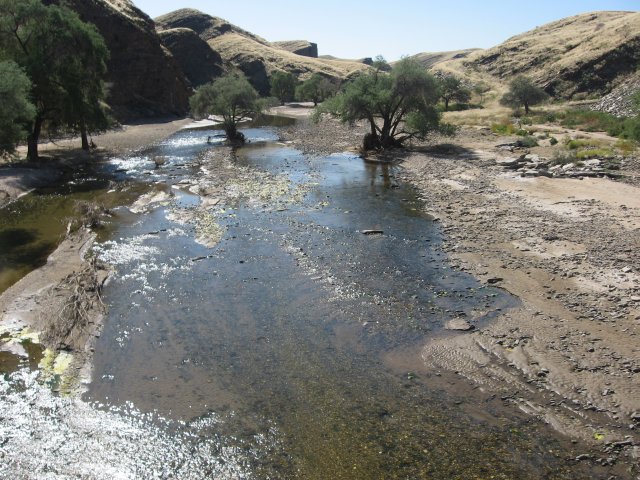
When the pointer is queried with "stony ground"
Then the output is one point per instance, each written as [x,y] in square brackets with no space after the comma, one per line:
[568,249]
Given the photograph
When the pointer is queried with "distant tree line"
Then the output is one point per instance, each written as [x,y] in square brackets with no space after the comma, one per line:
[52,67]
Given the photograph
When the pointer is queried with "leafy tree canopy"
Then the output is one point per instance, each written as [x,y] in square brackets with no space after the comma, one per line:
[65,59]
[233,98]
[523,92]
[452,89]
[398,105]
[17,111]
[283,86]
[315,89]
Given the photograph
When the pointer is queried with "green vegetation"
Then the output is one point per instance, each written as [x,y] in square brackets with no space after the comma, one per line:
[452,89]
[507,128]
[399,105]
[17,111]
[595,153]
[283,86]
[316,89]
[527,141]
[591,121]
[233,98]
[481,89]
[64,58]
[523,92]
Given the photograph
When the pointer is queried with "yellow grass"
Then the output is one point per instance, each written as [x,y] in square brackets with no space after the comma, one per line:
[235,47]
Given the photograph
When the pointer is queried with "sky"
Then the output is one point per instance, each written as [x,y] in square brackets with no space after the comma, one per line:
[392,28]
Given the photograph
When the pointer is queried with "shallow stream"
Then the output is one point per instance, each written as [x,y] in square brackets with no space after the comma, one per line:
[289,347]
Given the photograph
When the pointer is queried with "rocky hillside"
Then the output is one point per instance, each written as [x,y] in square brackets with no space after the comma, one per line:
[584,54]
[620,101]
[430,59]
[144,79]
[253,55]
[299,47]
[199,62]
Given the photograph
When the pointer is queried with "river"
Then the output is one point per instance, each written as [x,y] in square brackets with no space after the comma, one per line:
[265,321]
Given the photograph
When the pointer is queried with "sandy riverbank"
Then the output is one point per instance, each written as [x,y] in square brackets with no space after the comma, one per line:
[567,248]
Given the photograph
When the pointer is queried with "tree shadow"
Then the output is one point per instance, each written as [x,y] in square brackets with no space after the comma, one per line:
[447,151]
[20,247]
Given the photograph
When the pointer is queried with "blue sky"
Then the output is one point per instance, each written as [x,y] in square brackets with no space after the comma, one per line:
[355,29]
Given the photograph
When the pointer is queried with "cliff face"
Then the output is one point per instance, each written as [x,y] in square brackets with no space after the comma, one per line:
[143,77]
[197,60]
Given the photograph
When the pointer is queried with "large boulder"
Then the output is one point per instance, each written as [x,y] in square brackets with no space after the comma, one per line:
[143,77]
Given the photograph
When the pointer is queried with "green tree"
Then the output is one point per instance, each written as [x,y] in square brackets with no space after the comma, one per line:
[65,59]
[315,89]
[17,111]
[233,98]
[399,105]
[523,92]
[481,89]
[452,89]
[283,86]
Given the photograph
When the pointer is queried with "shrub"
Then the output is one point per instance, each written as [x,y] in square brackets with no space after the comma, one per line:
[595,153]
[527,142]
[553,141]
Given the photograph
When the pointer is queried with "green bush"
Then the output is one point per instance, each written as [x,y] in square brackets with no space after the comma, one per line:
[527,142]
[553,141]
[504,128]
[595,153]
[591,121]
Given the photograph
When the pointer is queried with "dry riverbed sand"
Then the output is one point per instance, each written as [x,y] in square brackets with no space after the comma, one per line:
[567,248]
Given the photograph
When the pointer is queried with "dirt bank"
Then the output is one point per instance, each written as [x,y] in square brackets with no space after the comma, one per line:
[18,178]
[568,249]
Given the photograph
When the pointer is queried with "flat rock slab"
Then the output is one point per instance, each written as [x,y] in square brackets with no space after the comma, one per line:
[459,324]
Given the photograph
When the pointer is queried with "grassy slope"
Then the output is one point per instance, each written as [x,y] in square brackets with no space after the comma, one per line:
[236,48]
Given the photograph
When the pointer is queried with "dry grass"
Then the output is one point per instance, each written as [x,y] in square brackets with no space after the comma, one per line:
[560,45]
[236,48]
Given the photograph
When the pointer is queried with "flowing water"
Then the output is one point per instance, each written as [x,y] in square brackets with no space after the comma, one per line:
[268,354]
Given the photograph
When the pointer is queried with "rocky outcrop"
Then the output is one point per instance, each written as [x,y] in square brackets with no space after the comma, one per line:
[620,101]
[144,79]
[299,47]
[199,62]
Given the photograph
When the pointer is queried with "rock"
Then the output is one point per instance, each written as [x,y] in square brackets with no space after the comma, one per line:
[507,162]
[371,232]
[594,162]
[459,324]
[568,166]
[494,280]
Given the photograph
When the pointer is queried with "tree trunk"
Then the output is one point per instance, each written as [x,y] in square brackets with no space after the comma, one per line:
[32,140]
[83,136]
[526,108]
[446,104]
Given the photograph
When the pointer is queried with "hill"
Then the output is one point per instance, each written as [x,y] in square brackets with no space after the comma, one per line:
[135,52]
[429,59]
[253,55]
[586,54]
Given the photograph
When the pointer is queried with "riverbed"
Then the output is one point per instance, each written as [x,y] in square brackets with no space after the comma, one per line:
[265,320]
